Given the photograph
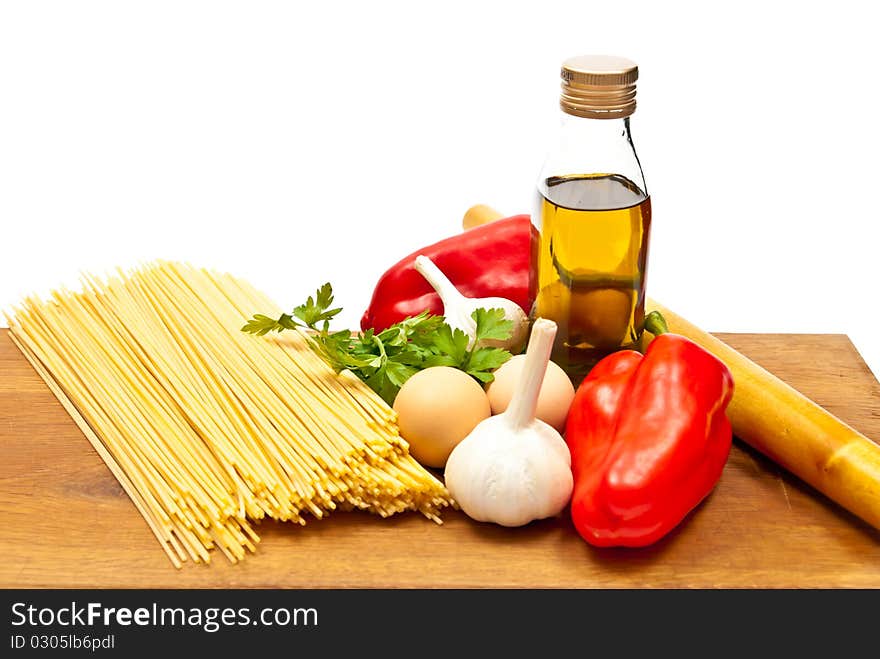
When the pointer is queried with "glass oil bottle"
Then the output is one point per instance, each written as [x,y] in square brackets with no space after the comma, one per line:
[594,218]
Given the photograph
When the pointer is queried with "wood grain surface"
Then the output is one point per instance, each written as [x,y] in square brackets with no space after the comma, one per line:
[64,521]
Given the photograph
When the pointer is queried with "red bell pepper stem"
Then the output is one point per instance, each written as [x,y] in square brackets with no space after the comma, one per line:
[655,323]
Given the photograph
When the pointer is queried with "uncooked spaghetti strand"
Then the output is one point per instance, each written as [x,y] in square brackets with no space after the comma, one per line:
[133,494]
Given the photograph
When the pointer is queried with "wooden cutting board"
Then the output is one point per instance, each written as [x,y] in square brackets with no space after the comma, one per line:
[64,521]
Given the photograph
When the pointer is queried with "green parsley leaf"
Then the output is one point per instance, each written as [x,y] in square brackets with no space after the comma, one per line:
[315,310]
[398,373]
[492,325]
[451,343]
[441,360]
[261,325]
[485,360]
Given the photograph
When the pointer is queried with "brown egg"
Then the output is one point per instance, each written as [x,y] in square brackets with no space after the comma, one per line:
[436,409]
[554,399]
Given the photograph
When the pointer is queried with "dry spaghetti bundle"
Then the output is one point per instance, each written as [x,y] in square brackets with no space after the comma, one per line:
[206,428]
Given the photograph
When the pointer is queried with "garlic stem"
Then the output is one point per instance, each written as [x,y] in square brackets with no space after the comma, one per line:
[447,291]
[521,411]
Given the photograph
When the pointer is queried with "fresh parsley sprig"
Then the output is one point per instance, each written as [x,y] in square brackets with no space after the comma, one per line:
[452,345]
[387,359]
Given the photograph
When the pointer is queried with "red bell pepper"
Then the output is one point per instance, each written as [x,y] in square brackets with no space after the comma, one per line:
[648,437]
[492,260]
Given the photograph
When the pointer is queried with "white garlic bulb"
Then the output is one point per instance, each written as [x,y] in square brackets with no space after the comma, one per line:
[513,468]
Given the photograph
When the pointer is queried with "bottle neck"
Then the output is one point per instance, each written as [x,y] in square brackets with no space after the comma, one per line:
[598,129]
[588,147]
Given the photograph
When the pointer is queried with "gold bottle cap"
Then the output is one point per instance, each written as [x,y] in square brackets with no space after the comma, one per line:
[599,86]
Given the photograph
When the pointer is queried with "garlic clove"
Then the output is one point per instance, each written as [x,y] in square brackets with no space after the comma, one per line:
[458,309]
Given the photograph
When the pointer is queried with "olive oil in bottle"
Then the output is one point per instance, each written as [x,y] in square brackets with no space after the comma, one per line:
[591,270]
[594,218]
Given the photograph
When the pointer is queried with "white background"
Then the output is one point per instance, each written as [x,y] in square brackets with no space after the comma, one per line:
[295,143]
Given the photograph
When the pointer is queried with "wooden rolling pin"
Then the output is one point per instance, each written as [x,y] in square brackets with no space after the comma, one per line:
[780,422]
[792,430]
